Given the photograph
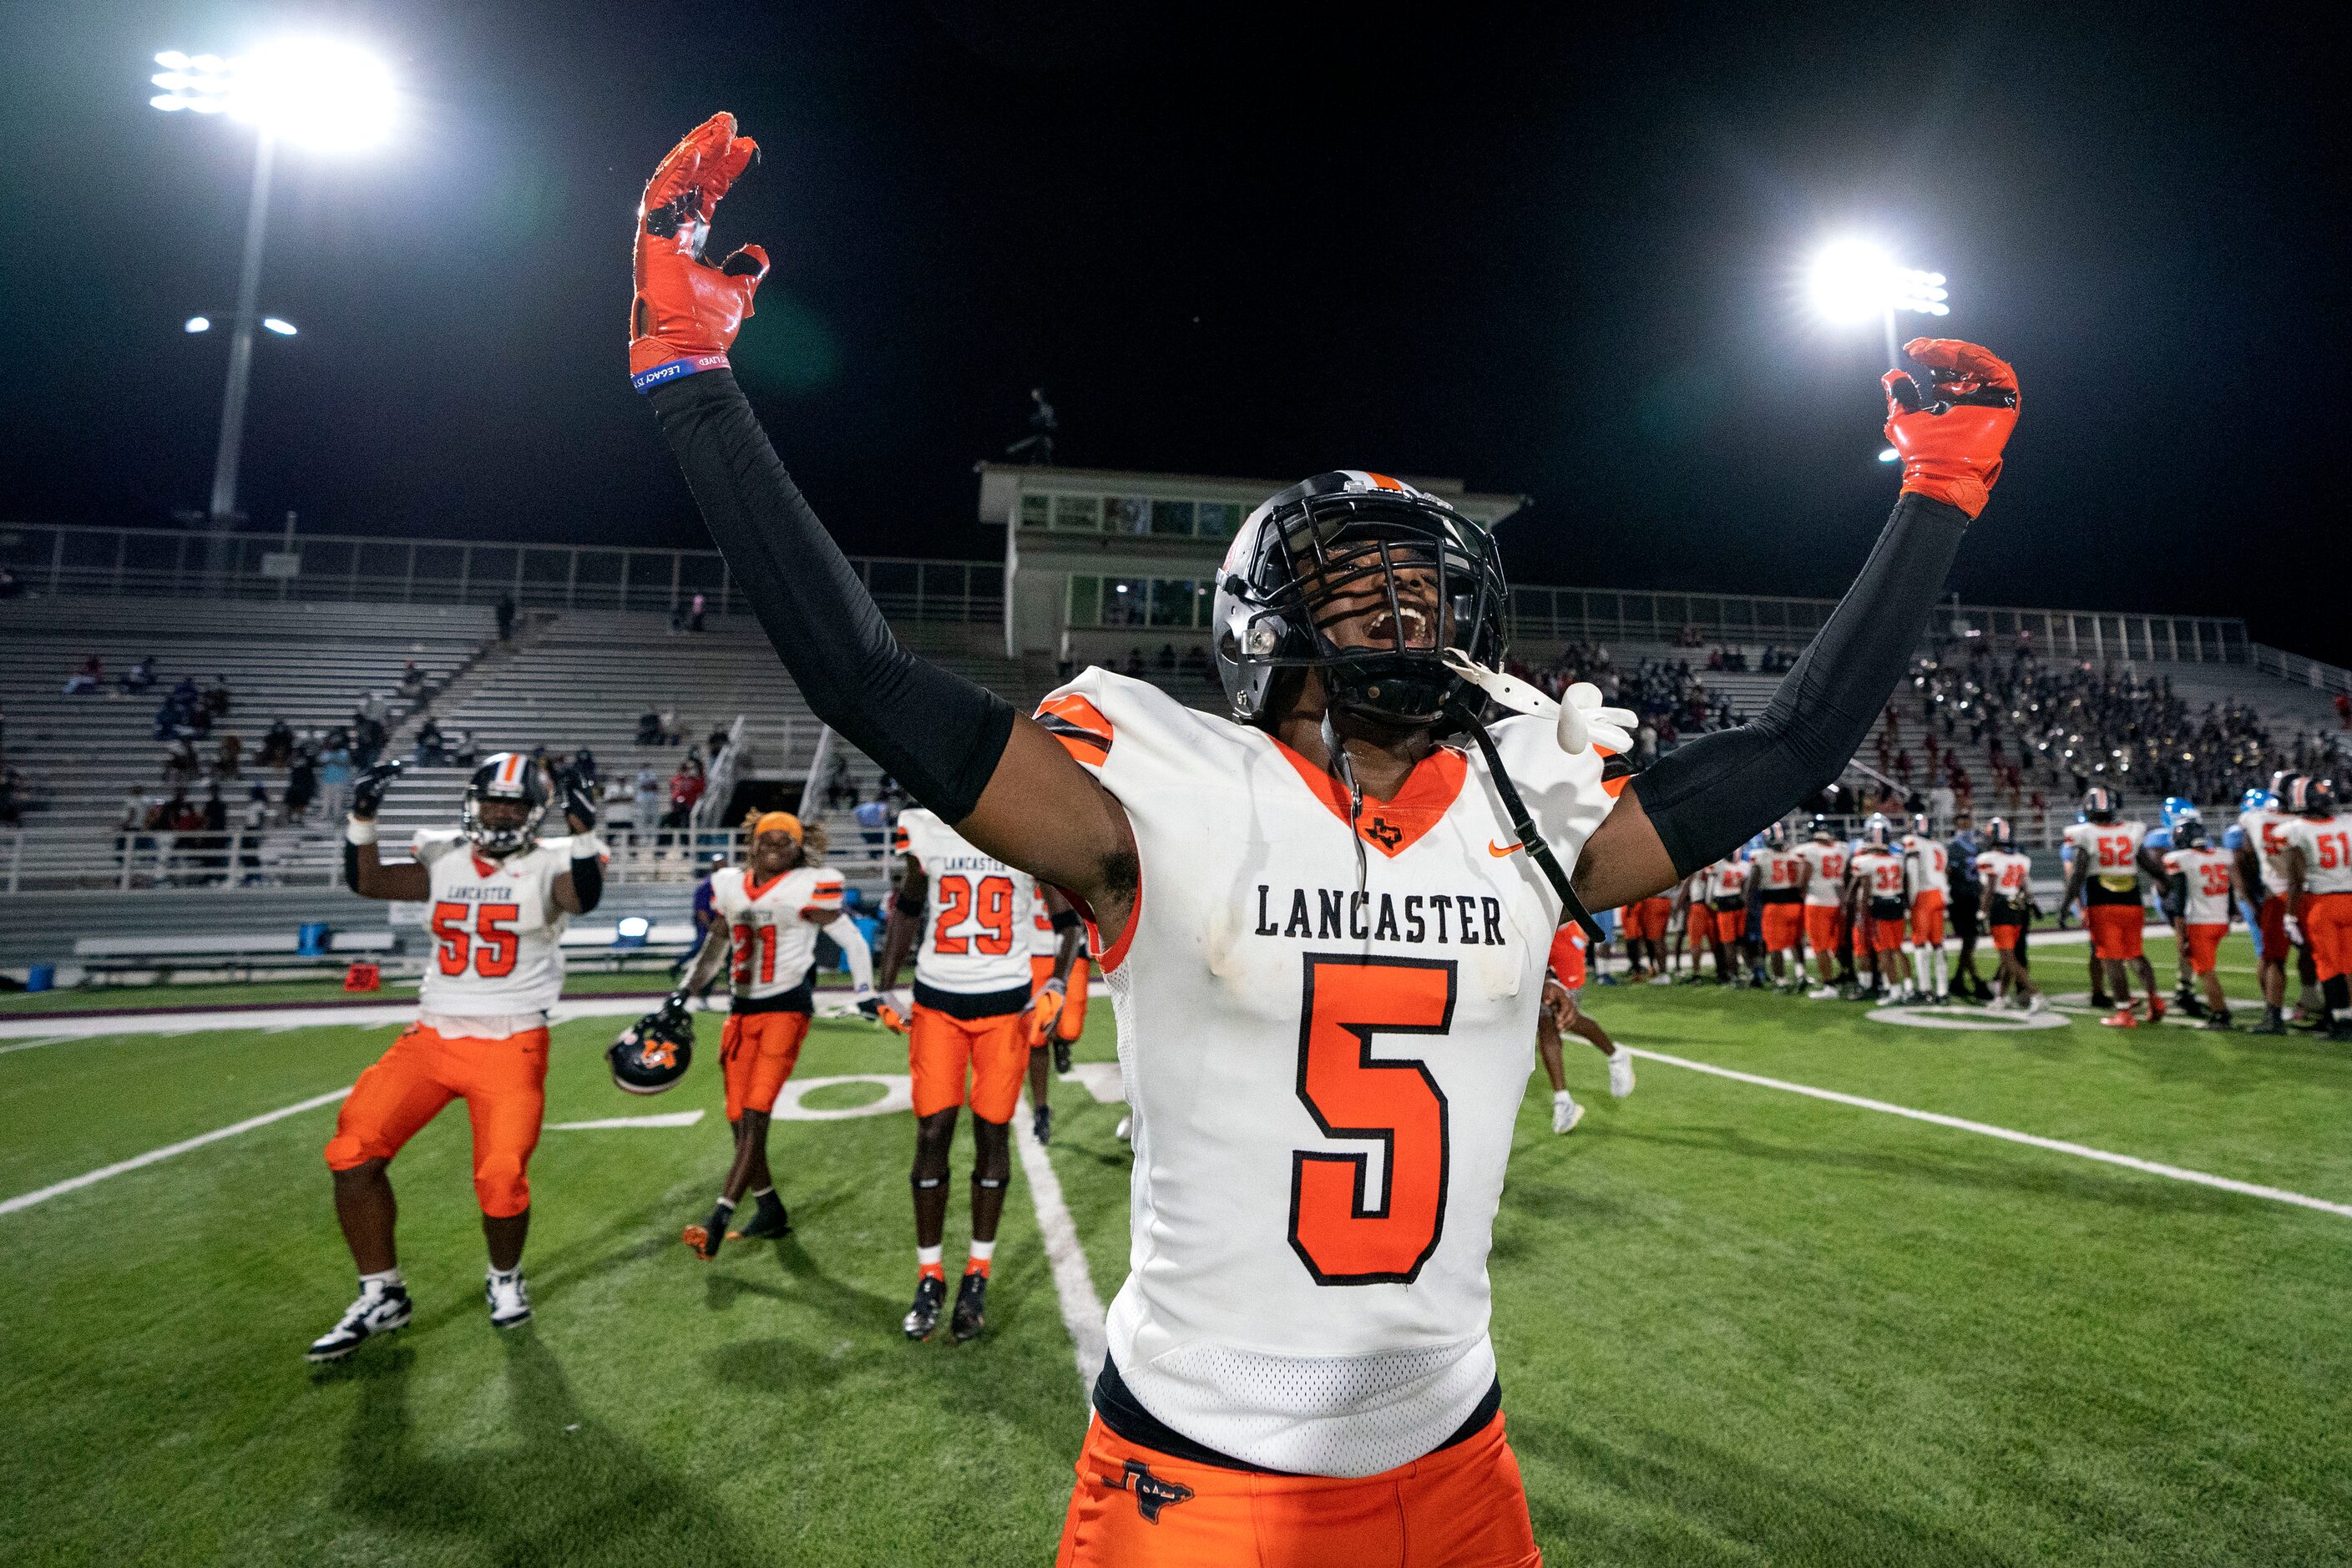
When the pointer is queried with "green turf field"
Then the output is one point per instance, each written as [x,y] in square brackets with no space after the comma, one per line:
[1736,1325]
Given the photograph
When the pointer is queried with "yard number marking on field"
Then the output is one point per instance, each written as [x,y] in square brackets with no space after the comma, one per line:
[2057,1146]
[168,1150]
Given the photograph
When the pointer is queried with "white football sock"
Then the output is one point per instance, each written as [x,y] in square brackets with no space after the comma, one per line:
[389,1279]
[930,1257]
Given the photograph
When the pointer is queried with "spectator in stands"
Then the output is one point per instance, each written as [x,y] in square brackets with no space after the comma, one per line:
[506,614]
[1195,663]
[368,737]
[583,765]
[230,757]
[432,746]
[87,678]
[620,811]
[371,705]
[468,752]
[649,730]
[672,731]
[873,821]
[839,793]
[686,787]
[412,681]
[648,794]
[12,808]
[276,745]
[253,822]
[302,784]
[717,741]
[10,588]
[1134,663]
[180,765]
[694,613]
[335,769]
[216,698]
[138,677]
[1168,657]
[2343,712]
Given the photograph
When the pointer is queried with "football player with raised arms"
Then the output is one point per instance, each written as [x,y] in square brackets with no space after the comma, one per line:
[765,916]
[966,916]
[501,896]
[1324,923]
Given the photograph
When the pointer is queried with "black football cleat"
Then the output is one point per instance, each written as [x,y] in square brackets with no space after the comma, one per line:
[2187,1004]
[769,1222]
[1041,1126]
[971,1297]
[930,1291]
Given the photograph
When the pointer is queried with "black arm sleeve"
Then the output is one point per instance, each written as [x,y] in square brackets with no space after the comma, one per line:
[1711,795]
[938,734]
[588,881]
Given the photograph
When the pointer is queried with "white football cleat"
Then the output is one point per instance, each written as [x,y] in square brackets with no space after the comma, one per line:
[1126,1129]
[1620,1073]
[377,1311]
[1565,1113]
[510,1300]
[1823,994]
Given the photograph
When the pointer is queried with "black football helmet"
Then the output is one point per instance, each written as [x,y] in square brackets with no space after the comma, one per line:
[2098,804]
[1998,833]
[654,1053]
[506,775]
[2313,796]
[1776,837]
[1343,535]
[2188,833]
[1877,830]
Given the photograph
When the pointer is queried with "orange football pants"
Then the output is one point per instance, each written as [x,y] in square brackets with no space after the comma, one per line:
[1651,917]
[2204,945]
[503,1083]
[1698,924]
[1824,924]
[1730,926]
[2327,926]
[1781,924]
[2115,930]
[941,1048]
[1463,1507]
[1927,919]
[1072,1021]
[757,1052]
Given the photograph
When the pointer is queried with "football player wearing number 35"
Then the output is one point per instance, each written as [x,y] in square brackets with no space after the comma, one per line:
[1324,921]
[501,896]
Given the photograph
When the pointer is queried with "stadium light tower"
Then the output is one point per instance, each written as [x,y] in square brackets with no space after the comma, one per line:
[1853,280]
[310,92]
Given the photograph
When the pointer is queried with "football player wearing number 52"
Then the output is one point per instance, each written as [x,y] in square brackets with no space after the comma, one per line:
[1324,921]
[500,897]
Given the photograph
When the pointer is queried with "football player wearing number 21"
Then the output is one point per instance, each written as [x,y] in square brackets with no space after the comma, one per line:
[500,897]
[1324,923]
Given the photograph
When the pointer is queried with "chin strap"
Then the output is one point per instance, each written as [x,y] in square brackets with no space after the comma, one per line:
[1347,770]
[1523,824]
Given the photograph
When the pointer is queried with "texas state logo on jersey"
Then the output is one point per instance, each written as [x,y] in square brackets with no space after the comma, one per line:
[496,930]
[773,947]
[1325,1027]
[978,916]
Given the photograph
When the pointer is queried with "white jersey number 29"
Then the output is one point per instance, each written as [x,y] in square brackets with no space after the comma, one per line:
[1354,1095]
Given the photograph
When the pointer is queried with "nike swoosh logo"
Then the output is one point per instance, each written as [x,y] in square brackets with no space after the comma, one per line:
[1500,851]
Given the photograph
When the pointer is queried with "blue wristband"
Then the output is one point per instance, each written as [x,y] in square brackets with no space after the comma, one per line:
[671,370]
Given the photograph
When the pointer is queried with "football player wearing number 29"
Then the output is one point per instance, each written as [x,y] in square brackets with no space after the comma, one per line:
[501,898]
[1324,923]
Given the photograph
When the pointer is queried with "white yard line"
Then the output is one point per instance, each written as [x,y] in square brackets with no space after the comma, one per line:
[28,1044]
[2055,1145]
[153,1156]
[613,1124]
[1082,1310]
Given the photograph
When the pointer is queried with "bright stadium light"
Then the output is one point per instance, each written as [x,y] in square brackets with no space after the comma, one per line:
[198,325]
[1887,454]
[314,92]
[1852,280]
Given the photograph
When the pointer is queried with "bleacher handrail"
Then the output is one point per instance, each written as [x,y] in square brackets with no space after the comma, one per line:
[88,560]
[719,783]
[2292,667]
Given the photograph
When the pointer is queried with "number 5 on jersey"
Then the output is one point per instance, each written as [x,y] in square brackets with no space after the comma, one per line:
[490,943]
[1351,1094]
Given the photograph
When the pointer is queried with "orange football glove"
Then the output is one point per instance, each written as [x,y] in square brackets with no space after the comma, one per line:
[1951,446]
[880,1012]
[688,309]
[1043,1008]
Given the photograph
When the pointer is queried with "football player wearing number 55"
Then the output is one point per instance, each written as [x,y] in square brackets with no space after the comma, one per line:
[501,896]
[1324,920]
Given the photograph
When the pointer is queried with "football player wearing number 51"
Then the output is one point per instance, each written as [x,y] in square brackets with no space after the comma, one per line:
[500,897]
[1324,921]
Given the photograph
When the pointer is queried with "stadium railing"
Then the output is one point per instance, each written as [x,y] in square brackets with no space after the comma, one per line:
[61,861]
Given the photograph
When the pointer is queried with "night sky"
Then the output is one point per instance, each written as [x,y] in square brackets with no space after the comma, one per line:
[1509,243]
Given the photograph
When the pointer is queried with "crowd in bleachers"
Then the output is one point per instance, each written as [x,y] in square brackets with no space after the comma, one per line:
[2031,729]
[1671,699]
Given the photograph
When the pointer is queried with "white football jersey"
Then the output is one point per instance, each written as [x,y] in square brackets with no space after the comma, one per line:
[1929,858]
[2265,833]
[1827,862]
[2326,845]
[978,916]
[1727,879]
[1880,871]
[496,929]
[773,948]
[1780,871]
[2114,851]
[2206,872]
[1326,1031]
[2004,874]
[1045,942]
